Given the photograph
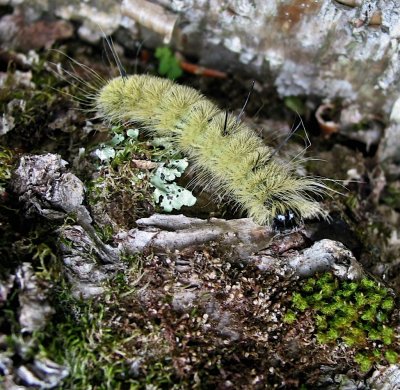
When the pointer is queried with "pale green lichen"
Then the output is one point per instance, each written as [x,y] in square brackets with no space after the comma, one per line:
[170,195]
[125,145]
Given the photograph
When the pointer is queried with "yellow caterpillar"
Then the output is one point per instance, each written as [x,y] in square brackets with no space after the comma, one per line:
[227,155]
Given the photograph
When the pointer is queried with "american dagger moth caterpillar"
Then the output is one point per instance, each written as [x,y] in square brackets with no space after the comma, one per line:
[226,154]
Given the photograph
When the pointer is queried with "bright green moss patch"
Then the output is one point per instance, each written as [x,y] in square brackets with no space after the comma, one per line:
[364,361]
[354,313]
[299,302]
[391,356]
[289,317]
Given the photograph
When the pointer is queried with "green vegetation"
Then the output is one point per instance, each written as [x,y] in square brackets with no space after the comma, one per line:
[99,358]
[289,317]
[84,344]
[137,174]
[392,195]
[168,63]
[36,114]
[355,313]
[6,164]
[101,348]
[295,104]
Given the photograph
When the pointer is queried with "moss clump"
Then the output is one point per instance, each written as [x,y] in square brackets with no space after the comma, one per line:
[355,313]
[88,338]
[392,195]
[29,100]
[289,317]
[120,179]
[137,175]
[6,165]
[82,343]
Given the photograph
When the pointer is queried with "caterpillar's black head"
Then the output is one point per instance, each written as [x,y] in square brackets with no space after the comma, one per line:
[285,221]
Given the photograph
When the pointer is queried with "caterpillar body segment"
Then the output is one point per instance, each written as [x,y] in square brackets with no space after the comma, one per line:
[226,154]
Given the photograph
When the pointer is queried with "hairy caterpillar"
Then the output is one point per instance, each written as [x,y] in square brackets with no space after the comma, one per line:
[226,154]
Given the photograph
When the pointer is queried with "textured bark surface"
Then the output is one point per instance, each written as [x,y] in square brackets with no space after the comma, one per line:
[341,52]
[189,253]
[333,49]
[178,300]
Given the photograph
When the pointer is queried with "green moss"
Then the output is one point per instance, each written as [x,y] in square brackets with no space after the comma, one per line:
[392,357]
[6,165]
[392,195]
[369,315]
[387,304]
[33,106]
[309,285]
[365,362]
[299,302]
[105,233]
[102,339]
[360,299]
[81,337]
[368,284]
[289,317]
[387,335]
[137,176]
[349,290]
[86,346]
[357,314]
